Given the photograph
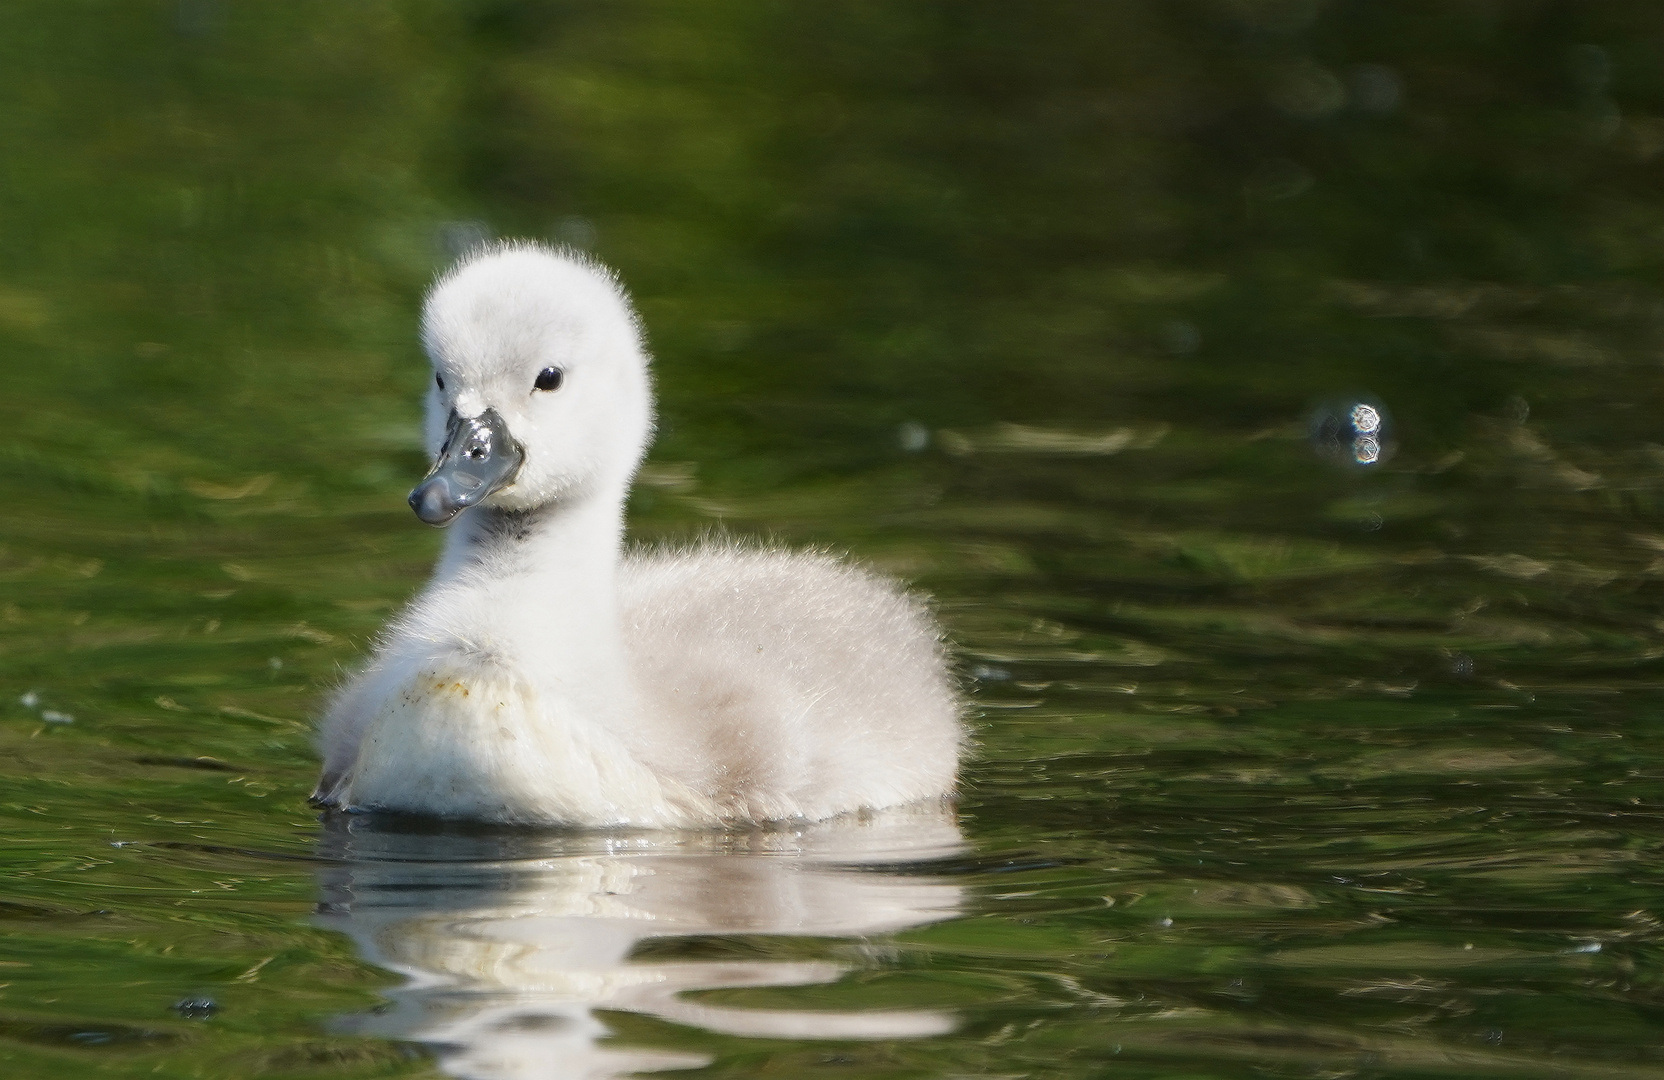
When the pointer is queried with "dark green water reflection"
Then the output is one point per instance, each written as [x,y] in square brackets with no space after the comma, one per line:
[1285,768]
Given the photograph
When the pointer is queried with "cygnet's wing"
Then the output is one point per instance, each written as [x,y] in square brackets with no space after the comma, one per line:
[803,684]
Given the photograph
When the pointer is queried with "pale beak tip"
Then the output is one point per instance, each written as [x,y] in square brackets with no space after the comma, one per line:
[433,504]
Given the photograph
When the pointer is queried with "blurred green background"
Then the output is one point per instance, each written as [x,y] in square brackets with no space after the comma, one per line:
[1032,304]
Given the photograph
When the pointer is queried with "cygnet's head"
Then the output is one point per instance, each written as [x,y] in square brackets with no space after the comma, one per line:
[540,387]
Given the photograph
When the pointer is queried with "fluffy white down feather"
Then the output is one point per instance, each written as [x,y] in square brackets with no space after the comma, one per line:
[545,677]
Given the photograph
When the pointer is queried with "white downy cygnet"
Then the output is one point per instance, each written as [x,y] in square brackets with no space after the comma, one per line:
[545,676]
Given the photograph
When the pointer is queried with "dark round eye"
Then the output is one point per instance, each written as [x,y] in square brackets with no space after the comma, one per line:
[439,381]
[548,379]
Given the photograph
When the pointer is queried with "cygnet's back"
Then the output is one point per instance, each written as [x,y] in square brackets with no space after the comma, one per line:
[797,685]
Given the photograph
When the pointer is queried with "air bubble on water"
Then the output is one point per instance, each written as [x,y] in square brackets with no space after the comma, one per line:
[196,1008]
[913,436]
[1352,432]
[459,238]
[275,663]
[29,700]
[989,673]
[576,231]
[53,717]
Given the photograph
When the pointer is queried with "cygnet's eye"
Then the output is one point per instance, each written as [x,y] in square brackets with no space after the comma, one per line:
[439,381]
[548,379]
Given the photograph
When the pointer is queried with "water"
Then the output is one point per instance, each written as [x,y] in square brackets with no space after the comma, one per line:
[1289,762]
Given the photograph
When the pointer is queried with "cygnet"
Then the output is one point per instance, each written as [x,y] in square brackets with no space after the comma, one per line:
[547,676]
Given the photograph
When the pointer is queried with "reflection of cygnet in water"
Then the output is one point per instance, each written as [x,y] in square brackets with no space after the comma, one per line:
[512,941]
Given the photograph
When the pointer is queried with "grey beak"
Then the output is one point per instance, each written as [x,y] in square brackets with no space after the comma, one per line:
[479,457]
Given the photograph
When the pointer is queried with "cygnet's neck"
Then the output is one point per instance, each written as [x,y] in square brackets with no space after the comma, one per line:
[549,578]
[575,539]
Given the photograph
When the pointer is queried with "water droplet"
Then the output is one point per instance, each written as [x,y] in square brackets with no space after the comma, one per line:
[1366,418]
[197,1007]
[576,231]
[458,238]
[1351,432]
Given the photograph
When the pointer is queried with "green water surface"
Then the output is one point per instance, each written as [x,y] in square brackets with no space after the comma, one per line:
[1286,765]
